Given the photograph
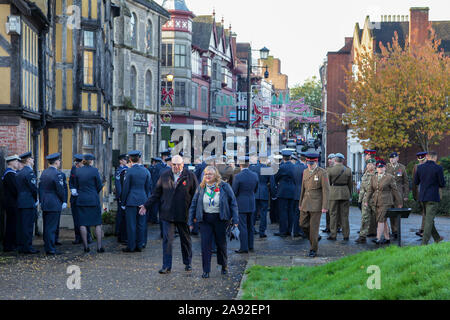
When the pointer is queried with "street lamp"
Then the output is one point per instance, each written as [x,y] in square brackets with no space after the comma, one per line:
[264,54]
[169,77]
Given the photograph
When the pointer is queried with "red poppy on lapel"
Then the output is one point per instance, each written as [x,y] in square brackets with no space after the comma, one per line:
[184,183]
[217,190]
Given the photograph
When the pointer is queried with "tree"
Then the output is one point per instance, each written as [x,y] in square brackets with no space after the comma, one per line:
[399,97]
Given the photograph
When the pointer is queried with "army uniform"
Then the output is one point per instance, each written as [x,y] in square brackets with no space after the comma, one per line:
[368,221]
[341,184]
[401,179]
[384,193]
[314,197]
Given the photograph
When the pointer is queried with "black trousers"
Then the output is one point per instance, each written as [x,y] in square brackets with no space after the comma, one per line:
[168,229]
[10,240]
[212,228]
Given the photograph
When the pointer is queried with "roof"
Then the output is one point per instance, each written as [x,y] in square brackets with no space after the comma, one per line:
[386,33]
[202,31]
[154,6]
[178,5]
[442,29]
[242,50]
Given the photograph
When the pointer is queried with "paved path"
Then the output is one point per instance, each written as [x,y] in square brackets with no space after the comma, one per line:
[116,275]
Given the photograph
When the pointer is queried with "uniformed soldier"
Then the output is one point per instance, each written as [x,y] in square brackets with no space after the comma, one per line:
[27,202]
[398,170]
[313,200]
[77,163]
[120,216]
[341,184]
[10,193]
[422,158]
[298,175]
[369,154]
[368,220]
[137,188]
[153,215]
[274,204]
[51,195]
[64,206]
[88,184]
[327,229]
[384,193]
[285,181]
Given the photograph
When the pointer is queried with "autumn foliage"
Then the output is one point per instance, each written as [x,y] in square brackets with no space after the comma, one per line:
[399,98]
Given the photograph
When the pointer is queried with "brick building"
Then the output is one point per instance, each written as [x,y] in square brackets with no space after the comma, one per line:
[338,137]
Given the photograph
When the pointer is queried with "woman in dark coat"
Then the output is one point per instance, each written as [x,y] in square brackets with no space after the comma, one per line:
[213,206]
[88,185]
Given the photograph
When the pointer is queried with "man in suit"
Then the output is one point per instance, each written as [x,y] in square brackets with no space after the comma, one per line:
[430,177]
[262,194]
[120,215]
[137,188]
[299,167]
[285,182]
[27,201]
[422,158]
[174,190]
[245,185]
[341,184]
[51,195]
[313,200]
[398,170]
[10,193]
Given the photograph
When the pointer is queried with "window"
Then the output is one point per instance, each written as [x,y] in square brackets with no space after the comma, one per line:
[133,30]
[167,58]
[149,37]
[148,89]
[165,85]
[88,57]
[88,138]
[180,55]
[194,96]
[133,85]
[196,63]
[204,107]
[180,94]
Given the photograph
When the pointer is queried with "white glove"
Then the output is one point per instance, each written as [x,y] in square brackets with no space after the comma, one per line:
[74,192]
[64,205]
[123,208]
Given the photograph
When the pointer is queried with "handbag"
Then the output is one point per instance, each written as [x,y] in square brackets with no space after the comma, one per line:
[233,232]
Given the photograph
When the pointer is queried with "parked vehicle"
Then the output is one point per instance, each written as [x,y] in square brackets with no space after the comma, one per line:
[300,140]
[291,143]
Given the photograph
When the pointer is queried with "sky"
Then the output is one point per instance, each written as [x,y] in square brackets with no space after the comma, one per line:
[300,33]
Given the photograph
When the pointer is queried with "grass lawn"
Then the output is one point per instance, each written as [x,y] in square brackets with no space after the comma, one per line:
[419,272]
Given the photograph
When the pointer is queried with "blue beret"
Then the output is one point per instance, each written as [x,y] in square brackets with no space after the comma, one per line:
[393,155]
[331,156]
[169,158]
[340,155]
[123,157]
[135,153]
[157,159]
[89,156]
[25,155]
[166,153]
[421,155]
[53,157]
[312,156]
[78,157]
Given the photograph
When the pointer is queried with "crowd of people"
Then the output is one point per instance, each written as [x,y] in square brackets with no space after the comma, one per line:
[214,198]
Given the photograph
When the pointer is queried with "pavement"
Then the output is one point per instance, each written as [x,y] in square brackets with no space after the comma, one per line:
[117,275]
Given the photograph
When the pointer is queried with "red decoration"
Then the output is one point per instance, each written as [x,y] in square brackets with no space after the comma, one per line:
[168,94]
[184,183]
[217,190]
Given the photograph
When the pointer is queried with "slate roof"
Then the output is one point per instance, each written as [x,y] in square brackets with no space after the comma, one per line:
[175,5]
[202,31]
[154,6]
[442,29]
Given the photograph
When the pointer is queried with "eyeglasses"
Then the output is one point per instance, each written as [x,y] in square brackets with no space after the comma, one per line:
[210,174]
[177,164]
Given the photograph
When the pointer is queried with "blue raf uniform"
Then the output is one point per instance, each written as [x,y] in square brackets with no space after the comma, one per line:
[51,195]
[153,215]
[262,196]
[298,176]
[245,185]
[285,181]
[137,188]
[66,195]
[121,230]
[27,200]
[10,205]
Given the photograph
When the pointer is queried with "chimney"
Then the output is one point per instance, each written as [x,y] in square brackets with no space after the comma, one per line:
[418,25]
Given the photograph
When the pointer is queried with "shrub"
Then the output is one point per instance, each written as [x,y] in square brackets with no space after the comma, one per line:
[410,167]
[445,163]
[108,217]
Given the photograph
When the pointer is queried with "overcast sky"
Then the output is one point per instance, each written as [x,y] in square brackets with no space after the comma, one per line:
[301,33]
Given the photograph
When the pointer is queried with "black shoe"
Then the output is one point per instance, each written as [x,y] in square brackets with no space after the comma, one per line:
[326,230]
[194,233]
[128,250]
[318,239]
[312,254]
[395,235]
[331,238]
[55,253]
[188,268]
[205,275]
[339,230]
[262,236]
[251,250]
[77,242]
[57,243]
[138,250]
[31,251]
[283,235]
[388,241]
[101,250]
[165,271]
[86,250]
[419,234]
[241,251]
[224,270]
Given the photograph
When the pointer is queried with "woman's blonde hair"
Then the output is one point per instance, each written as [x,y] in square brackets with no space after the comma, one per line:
[87,162]
[217,176]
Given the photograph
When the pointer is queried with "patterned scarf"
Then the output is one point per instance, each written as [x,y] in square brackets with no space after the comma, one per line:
[211,194]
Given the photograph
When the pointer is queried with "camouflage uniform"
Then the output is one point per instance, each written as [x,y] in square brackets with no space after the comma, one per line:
[368,222]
